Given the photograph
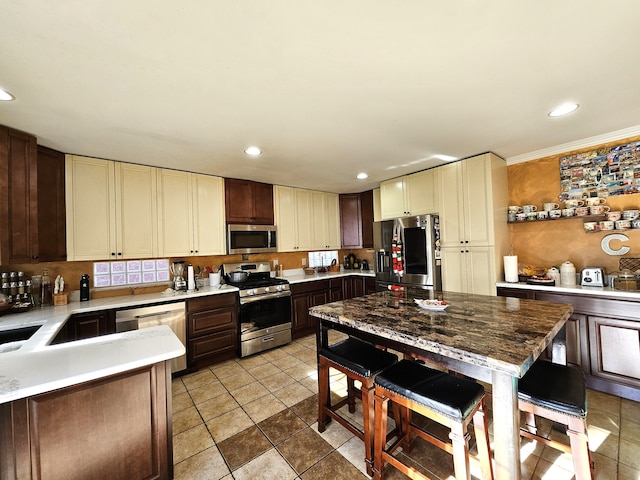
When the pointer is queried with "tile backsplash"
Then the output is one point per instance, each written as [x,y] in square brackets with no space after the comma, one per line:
[130,272]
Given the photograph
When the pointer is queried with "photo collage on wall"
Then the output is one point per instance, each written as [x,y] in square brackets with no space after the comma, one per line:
[603,173]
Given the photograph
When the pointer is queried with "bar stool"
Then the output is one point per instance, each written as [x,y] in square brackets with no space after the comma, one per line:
[359,361]
[558,393]
[451,401]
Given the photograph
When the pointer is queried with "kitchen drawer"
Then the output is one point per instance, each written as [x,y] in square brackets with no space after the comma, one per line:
[307,287]
[203,349]
[201,323]
[211,302]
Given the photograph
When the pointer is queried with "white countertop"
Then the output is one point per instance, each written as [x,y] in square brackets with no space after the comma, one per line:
[298,275]
[37,367]
[577,290]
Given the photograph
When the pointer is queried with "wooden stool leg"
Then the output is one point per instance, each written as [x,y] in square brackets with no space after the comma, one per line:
[460,443]
[368,411]
[530,422]
[481,429]
[351,394]
[577,432]
[323,395]
[380,435]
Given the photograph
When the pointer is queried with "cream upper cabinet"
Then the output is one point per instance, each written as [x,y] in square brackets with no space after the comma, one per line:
[304,211]
[377,213]
[326,220]
[191,214]
[111,210]
[414,194]
[474,233]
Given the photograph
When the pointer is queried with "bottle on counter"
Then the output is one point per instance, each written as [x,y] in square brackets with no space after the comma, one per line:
[84,288]
[46,298]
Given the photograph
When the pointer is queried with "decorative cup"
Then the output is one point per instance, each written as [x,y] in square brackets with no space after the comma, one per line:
[635,223]
[529,208]
[568,212]
[515,209]
[593,201]
[582,211]
[511,217]
[613,216]
[591,227]
[630,214]
[573,203]
[531,216]
[521,217]
[599,209]
[543,215]
[607,225]
[623,224]
[556,213]
[551,206]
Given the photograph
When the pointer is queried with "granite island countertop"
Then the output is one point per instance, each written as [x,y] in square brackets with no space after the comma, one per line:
[35,366]
[498,333]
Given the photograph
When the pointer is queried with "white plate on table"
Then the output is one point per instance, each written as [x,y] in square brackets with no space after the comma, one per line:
[431,304]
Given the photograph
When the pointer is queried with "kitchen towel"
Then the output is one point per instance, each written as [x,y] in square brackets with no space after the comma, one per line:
[511,268]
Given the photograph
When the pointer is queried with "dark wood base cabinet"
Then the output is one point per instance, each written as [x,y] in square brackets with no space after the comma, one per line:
[118,427]
[303,297]
[86,325]
[602,337]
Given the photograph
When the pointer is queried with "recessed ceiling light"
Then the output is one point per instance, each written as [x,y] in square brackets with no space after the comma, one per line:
[444,158]
[6,96]
[362,176]
[253,151]
[564,109]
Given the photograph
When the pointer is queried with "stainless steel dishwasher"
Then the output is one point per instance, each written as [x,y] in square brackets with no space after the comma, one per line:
[171,314]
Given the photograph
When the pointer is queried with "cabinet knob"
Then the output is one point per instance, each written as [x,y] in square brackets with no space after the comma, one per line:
[119,254]
[35,257]
[196,251]
[113,254]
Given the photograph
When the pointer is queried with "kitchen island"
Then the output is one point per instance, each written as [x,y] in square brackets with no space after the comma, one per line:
[492,339]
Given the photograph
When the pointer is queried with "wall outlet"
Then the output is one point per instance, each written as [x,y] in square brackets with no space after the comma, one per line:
[304,262]
[275,263]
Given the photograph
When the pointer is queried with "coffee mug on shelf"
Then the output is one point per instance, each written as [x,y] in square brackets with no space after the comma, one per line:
[607,225]
[521,217]
[599,209]
[630,214]
[551,206]
[555,213]
[511,217]
[568,212]
[613,216]
[573,203]
[515,209]
[529,208]
[635,223]
[532,216]
[582,211]
[543,215]
[593,201]
[623,224]
[591,226]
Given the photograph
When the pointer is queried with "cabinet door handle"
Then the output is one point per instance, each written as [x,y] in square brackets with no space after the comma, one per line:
[119,254]
[113,254]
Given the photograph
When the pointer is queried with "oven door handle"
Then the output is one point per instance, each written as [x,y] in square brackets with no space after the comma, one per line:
[269,296]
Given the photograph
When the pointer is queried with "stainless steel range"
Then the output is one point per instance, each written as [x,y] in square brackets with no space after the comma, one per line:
[265,306]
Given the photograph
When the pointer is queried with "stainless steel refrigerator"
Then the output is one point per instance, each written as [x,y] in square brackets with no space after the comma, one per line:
[417,244]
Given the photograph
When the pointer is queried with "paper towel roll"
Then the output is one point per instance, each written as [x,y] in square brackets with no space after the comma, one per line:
[511,268]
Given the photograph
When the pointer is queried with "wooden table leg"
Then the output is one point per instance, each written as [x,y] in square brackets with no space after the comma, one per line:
[506,432]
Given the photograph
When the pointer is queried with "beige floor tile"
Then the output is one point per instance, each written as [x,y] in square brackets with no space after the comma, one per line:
[181,401]
[604,402]
[548,471]
[274,354]
[630,431]
[186,419]
[226,369]
[603,442]
[311,383]
[216,406]
[207,392]
[268,465]
[237,380]
[334,434]
[263,371]
[287,361]
[294,347]
[629,454]
[228,424]
[252,362]
[249,393]
[264,407]
[206,465]
[292,394]
[605,468]
[198,379]
[630,410]
[627,473]
[309,357]
[604,421]
[277,381]
[192,441]
[301,371]
[177,387]
[353,450]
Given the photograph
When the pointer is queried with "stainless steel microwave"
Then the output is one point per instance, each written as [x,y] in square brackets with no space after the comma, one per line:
[251,239]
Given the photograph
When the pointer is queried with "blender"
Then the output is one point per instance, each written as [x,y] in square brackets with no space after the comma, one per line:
[177,269]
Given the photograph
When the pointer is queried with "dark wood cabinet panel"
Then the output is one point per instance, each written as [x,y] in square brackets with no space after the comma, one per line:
[369,285]
[248,202]
[515,292]
[52,232]
[300,319]
[366,216]
[86,325]
[118,427]
[212,329]
[356,220]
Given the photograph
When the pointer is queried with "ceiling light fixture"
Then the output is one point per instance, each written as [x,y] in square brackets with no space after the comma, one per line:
[6,96]
[564,109]
[362,176]
[253,151]
[444,158]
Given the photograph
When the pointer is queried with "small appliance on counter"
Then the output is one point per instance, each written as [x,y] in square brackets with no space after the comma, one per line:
[365,265]
[349,260]
[592,277]
[177,269]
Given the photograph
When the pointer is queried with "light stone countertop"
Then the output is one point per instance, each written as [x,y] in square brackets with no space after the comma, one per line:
[577,290]
[298,275]
[37,367]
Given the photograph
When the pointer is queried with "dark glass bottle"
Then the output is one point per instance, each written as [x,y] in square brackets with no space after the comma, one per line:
[84,288]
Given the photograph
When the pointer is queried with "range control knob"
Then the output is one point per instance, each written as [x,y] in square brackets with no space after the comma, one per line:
[251,292]
[266,289]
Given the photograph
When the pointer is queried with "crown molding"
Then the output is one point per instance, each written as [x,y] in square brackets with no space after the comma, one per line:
[576,145]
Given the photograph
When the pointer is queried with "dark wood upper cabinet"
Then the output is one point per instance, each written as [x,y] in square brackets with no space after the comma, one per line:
[248,202]
[32,206]
[356,220]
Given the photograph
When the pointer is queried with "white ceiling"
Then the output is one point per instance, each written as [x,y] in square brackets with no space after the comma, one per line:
[326,89]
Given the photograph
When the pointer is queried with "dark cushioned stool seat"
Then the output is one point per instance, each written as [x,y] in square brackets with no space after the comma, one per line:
[557,387]
[452,396]
[359,357]
[358,361]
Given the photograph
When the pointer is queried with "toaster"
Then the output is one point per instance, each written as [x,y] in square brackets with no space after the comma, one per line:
[592,277]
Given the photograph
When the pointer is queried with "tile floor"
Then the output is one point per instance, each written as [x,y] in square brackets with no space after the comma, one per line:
[255,418]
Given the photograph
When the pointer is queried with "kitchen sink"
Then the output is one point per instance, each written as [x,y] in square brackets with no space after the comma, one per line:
[17,334]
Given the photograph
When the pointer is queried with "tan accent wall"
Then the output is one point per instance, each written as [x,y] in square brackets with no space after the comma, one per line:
[548,243]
